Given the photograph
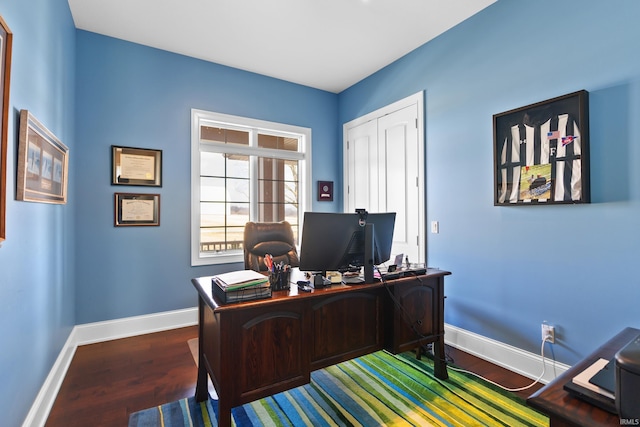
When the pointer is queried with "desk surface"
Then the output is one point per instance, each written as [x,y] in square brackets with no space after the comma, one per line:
[567,410]
[203,285]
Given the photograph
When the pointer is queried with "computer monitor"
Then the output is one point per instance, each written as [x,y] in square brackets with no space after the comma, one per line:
[339,241]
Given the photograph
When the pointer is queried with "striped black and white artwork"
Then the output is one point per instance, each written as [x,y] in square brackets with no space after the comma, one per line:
[541,152]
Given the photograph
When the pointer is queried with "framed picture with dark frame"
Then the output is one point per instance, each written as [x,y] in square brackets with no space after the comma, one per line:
[541,153]
[43,163]
[136,166]
[325,191]
[6,39]
[133,209]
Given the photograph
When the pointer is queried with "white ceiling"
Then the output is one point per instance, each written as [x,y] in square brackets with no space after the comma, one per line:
[325,44]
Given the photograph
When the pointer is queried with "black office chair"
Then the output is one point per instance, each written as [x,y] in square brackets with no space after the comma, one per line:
[275,238]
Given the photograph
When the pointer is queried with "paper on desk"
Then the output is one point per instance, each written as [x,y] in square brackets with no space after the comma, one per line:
[240,279]
[582,379]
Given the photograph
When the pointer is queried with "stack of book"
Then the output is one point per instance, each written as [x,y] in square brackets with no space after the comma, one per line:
[242,285]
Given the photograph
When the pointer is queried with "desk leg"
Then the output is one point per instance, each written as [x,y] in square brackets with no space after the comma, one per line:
[224,414]
[202,385]
[202,388]
[202,394]
[440,362]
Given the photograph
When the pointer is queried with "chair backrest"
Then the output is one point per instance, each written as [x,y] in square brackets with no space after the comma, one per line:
[275,238]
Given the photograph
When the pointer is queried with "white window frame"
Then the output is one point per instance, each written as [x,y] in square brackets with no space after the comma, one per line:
[201,118]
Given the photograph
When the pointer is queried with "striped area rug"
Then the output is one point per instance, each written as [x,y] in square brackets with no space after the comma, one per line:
[374,390]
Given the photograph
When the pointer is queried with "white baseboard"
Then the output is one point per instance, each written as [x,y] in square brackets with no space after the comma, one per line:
[509,357]
[43,403]
[512,358]
[98,332]
[131,326]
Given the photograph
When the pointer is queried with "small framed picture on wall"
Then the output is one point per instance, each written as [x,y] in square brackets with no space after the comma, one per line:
[325,191]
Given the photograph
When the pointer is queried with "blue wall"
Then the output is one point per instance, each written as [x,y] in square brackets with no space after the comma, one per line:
[514,267]
[136,96]
[37,300]
[63,265]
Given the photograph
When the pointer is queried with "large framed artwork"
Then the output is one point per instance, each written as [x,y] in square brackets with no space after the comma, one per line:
[43,163]
[541,153]
[6,38]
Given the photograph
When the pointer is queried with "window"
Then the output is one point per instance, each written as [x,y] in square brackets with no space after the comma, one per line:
[244,170]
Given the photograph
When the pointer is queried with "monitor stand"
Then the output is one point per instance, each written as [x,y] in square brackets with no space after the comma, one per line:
[369,248]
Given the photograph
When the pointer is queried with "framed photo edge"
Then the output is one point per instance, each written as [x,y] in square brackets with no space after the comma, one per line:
[582,109]
[52,188]
[142,166]
[5,75]
[128,213]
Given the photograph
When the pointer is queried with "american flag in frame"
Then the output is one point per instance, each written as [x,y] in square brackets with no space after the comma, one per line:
[541,153]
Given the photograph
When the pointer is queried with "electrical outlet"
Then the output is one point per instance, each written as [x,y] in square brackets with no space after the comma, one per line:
[548,333]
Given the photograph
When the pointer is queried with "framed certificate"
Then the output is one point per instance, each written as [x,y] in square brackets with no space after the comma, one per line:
[136,166]
[136,209]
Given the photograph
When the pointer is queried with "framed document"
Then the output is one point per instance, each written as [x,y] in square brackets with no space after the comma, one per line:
[43,163]
[541,153]
[136,209]
[136,166]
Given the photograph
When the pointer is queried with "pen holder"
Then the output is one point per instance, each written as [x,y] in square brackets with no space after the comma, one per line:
[279,279]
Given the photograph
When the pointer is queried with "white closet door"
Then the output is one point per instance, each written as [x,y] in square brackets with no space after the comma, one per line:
[362,153]
[398,140]
[384,170]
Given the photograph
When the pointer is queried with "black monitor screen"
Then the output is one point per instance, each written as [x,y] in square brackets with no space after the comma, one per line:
[335,241]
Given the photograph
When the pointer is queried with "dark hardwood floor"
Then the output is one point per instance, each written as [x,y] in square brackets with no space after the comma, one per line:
[108,381]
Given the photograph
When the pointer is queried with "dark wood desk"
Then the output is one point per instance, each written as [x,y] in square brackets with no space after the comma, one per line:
[255,349]
[564,409]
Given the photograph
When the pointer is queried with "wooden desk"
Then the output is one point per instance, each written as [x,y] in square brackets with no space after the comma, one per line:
[565,410]
[255,349]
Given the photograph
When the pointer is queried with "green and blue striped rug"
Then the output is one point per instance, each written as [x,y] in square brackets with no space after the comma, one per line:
[374,390]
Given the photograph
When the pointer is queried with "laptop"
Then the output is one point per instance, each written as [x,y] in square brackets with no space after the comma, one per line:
[605,378]
[600,391]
